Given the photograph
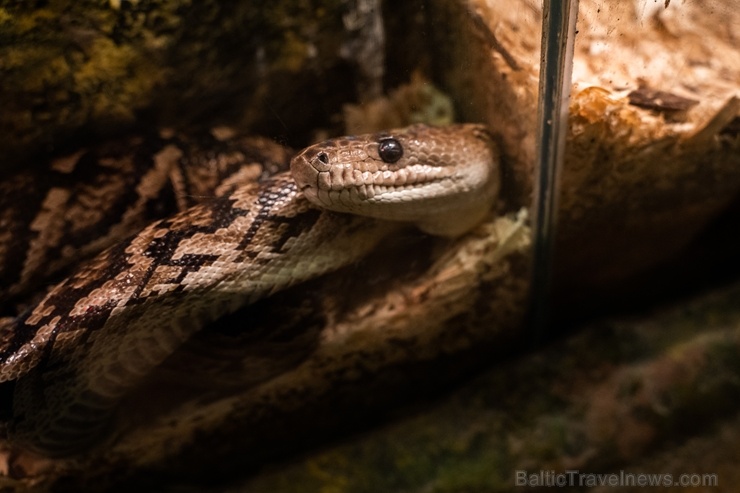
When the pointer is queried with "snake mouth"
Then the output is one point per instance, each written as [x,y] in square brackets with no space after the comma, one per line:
[382,195]
[371,183]
[371,191]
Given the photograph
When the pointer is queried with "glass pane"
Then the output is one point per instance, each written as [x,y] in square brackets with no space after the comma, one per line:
[647,167]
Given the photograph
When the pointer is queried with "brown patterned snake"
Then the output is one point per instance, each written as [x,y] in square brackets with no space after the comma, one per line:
[69,359]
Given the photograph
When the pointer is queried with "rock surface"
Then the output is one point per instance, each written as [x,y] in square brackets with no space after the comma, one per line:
[78,70]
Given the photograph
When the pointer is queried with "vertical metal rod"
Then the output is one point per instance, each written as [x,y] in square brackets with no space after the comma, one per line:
[556,63]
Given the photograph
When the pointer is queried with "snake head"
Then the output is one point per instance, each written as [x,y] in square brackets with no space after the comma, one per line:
[443,179]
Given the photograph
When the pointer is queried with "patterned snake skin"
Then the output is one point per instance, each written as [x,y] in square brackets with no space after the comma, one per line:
[68,359]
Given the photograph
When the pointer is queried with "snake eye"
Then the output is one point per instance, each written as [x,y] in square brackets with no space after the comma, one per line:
[390,150]
[323,157]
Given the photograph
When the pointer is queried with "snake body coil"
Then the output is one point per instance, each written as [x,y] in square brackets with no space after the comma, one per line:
[69,359]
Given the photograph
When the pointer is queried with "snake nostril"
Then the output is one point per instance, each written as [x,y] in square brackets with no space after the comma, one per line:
[323,157]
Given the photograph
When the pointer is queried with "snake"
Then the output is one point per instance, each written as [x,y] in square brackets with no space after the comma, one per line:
[78,348]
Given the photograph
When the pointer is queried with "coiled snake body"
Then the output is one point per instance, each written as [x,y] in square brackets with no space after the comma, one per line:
[69,359]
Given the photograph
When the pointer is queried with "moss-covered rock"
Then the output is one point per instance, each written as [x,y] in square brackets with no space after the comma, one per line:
[81,68]
[643,396]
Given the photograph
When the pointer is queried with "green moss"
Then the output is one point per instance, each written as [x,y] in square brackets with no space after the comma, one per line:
[5,17]
[69,66]
[116,80]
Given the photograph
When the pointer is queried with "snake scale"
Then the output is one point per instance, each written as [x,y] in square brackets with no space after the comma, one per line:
[74,352]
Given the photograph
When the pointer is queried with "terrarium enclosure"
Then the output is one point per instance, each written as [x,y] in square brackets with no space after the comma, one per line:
[413,369]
